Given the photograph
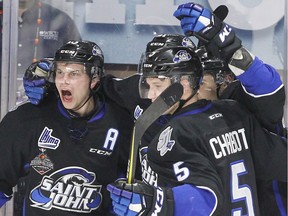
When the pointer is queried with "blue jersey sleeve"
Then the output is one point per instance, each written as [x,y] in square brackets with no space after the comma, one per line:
[192,200]
[260,79]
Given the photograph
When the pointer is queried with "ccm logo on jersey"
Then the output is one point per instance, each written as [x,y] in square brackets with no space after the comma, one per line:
[216,115]
[99,151]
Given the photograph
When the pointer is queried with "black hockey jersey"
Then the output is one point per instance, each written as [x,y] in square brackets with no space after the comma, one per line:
[262,92]
[215,146]
[70,160]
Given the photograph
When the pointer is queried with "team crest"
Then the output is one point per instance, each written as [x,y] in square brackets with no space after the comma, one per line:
[70,189]
[164,142]
[182,56]
[42,163]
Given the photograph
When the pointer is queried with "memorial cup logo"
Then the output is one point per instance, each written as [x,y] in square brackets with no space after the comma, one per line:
[69,189]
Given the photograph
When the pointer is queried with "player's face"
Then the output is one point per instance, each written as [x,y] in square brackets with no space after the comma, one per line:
[157,86]
[73,85]
[208,88]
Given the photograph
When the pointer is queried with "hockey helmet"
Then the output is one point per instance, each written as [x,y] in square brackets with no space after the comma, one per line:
[170,62]
[86,52]
[164,40]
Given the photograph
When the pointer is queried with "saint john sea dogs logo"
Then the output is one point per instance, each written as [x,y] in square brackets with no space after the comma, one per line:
[68,189]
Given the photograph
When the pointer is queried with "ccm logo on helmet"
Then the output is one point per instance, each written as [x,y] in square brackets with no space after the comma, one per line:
[157,44]
[68,51]
[148,65]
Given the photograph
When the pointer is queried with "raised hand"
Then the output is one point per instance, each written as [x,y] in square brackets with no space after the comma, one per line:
[217,36]
[140,199]
[35,80]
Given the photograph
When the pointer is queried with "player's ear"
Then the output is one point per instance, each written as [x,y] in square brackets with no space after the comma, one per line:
[187,90]
[95,81]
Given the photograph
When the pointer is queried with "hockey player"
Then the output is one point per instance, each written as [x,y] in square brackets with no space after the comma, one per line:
[202,161]
[70,148]
[257,86]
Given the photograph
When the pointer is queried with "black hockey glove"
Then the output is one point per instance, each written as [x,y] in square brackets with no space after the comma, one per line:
[140,199]
[35,80]
[217,36]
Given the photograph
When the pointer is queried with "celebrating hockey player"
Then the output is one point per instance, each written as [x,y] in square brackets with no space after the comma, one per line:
[71,148]
[257,86]
[200,162]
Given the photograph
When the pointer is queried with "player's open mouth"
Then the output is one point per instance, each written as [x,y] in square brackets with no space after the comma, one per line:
[66,95]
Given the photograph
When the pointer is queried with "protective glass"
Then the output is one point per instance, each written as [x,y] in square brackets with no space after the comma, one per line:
[152,86]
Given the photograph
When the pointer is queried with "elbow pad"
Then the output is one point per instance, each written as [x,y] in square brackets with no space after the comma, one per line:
[241,61]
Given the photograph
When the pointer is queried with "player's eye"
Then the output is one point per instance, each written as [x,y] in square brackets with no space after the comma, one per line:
[59,72]
[75,73]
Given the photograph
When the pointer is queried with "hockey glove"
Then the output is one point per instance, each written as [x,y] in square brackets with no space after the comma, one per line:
[35,80]
[140,199]
[217,36]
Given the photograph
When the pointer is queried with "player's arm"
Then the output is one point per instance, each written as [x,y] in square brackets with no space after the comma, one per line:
[264,92]
[260,81]
[220,40]
[124,91]
[16,149]
[142,199]
[8,163]
[258,78]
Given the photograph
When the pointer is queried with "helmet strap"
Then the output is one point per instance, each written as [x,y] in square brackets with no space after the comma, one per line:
[183,102]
